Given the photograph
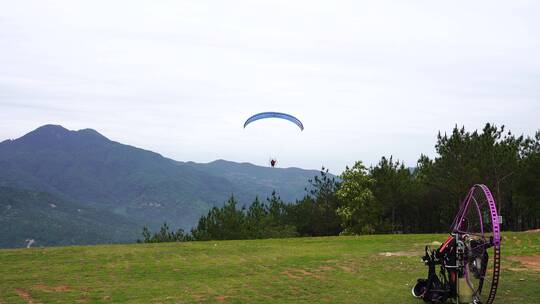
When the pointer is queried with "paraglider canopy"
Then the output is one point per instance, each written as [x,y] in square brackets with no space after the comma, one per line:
[279,115]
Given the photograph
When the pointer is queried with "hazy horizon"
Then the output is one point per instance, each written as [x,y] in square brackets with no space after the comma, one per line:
[367,79]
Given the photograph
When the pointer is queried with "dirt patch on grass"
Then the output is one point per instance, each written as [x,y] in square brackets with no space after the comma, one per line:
[305,272]
[59,288]
[400,253]
[198,297]
[533,231]
[529,262]
[294,290]
[25,295]
[290,275]
[346,268]
[331,261]
[221,298]
[300,273]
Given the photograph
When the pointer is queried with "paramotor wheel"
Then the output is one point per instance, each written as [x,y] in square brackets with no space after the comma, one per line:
[477,229]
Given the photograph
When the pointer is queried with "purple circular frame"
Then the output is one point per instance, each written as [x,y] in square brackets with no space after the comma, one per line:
[495,229]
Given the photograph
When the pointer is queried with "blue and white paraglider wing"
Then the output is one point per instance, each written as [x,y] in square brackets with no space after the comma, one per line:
[279,115]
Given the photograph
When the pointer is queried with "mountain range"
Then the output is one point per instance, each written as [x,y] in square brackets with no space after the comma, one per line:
[61,187]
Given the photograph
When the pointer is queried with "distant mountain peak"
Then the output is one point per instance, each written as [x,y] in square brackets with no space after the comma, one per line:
[50,129]
[45,133]
[50,134]
[92,132]
[221,161]
[59,131]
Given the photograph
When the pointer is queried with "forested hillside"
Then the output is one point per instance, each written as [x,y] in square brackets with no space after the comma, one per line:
[391,198]
[87,169]
[122,189]
[42,219]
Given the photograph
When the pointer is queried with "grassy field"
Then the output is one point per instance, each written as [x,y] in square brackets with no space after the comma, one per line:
[301,270]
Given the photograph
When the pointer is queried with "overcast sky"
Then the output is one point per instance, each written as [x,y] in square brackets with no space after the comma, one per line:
[367,78]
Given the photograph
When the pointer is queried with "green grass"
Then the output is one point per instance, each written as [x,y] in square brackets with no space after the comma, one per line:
[301,270]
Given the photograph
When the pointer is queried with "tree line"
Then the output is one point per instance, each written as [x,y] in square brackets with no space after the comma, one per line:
[390,197]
